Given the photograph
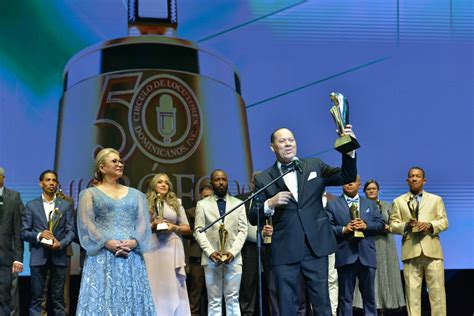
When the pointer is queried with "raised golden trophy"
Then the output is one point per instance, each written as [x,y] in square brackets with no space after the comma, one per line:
[53,222]
[223,236]
[355,214]
[413,206]
[340,114]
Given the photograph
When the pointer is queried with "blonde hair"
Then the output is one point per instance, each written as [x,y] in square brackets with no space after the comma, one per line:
[100,160]
[171,199]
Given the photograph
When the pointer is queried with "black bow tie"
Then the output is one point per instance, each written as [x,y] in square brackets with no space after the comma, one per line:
[286,167]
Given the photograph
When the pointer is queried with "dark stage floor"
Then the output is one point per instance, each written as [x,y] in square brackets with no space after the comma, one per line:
[459,292]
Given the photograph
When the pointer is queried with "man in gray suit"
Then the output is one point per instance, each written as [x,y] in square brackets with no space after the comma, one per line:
[48,225]
[222,267]
[11,245]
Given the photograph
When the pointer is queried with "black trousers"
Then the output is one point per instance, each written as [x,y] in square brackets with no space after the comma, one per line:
[57,281]
[288,282]
[249,282]
[5,288]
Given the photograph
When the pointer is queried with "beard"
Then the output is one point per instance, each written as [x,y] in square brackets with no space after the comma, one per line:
[220,191]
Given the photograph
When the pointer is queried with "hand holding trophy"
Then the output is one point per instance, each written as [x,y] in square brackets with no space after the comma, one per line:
[413,206]
[355,215]
[267,231]
[53,222]
[161,225]
[340,113]
[223,236]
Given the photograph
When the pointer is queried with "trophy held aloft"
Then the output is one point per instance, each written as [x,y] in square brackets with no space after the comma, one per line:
[340,113]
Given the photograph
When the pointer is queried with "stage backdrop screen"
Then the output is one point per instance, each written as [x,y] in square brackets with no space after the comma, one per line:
[406,68]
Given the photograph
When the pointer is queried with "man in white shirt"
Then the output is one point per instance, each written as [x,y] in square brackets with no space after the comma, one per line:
[48,225]
[222,261]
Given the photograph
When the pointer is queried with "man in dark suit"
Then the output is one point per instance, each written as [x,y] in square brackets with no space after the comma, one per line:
[195,279]
[11,245]
[302,237]
[48,225]
[355,256]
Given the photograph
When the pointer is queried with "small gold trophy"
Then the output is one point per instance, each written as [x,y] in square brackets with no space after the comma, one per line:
[413,206]
[53,222]
[159,212]
[223,235]
[340,113]
[268,239]
[355,214]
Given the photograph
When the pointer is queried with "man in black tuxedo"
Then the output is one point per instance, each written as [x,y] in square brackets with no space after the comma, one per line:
[11,245]
[195,279]
[302,237]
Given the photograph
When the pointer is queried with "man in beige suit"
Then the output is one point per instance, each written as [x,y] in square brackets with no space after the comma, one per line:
[420,216]
[222,269]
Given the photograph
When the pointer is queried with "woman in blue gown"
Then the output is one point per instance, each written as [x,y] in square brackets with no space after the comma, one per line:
[113,228]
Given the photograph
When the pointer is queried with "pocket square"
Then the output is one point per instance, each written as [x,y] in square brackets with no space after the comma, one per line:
[312,175]
[367,210]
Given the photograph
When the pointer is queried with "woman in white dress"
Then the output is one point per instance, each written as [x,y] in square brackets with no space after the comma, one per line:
[165,261]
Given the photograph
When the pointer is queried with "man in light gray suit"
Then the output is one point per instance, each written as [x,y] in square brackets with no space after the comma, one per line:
[222,269]
[11,245]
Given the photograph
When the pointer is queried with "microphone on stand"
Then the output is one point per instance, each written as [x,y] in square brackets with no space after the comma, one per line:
[297,164]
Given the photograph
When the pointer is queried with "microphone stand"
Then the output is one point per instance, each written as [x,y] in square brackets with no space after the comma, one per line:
[292,167]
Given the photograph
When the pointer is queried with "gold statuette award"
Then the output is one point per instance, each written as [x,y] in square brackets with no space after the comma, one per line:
[53,222]
[223,235]
[355,214]
[340,113]
[413,206]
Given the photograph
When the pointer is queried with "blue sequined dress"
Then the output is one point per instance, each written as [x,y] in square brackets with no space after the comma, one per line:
[113,285]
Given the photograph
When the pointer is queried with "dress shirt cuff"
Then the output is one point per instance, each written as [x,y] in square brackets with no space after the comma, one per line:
[38,237]
[267,210]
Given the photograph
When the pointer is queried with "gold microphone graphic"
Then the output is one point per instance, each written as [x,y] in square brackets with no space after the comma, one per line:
[160,100]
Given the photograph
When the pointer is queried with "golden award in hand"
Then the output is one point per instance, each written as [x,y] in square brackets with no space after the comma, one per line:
[413,206]
[340,113]
[53,222]
[355,214]
[223,235]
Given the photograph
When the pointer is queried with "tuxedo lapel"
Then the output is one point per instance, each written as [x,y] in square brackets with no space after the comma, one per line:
[275,173]
[301,181]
